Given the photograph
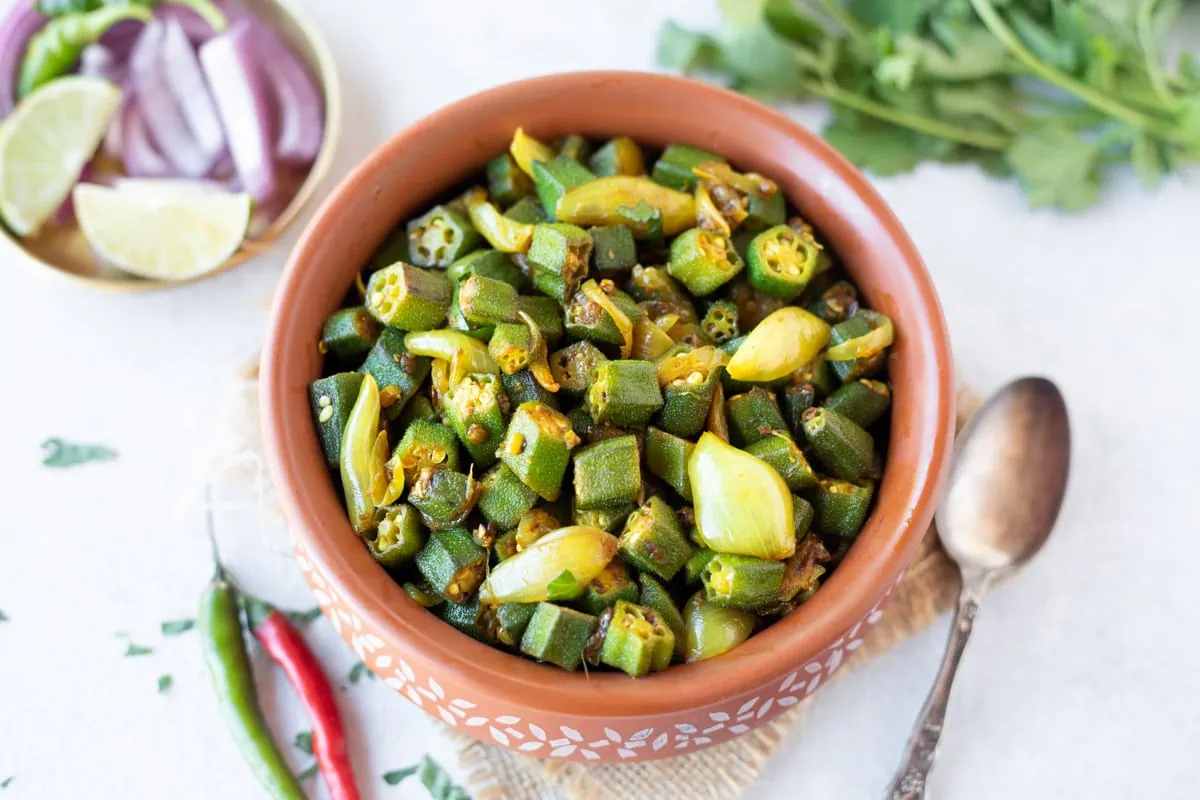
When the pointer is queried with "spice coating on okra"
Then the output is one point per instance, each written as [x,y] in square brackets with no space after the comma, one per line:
[610,403]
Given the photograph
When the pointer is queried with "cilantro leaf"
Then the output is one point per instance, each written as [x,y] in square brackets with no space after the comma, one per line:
[178,626]
[137,650]
[437,781]
[1057,167]
[397,775]
[564,586]
[358,671]
[308,772]
[60,453]
[164,683]
[876,146]
[303,742]
[684,50]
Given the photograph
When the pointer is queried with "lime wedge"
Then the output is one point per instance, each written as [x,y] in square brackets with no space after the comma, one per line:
[168,235]
[45,143]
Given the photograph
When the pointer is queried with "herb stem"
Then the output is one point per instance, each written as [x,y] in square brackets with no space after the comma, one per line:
[1092,97]
[984,140]
[1145,33]
[841,16]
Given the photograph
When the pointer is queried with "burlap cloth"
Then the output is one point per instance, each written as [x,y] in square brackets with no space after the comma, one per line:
[725,771]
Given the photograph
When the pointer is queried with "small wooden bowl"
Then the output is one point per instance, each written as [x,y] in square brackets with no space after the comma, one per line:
[64,252]
[537,709]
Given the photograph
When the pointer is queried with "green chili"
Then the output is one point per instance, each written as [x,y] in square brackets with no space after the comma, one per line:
[55,48]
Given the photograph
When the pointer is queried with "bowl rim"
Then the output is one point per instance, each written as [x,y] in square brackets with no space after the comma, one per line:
[819,625]
[327,77]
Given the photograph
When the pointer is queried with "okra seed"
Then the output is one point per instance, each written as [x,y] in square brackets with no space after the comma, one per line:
[326,414]
[695,378]
[477,434]
[324,400]
[516,445]
[376,298]
[452,590]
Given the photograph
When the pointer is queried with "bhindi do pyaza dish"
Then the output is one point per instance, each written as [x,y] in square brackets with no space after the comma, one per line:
[604,415]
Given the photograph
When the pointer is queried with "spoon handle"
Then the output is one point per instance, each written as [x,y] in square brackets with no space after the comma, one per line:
[909,781]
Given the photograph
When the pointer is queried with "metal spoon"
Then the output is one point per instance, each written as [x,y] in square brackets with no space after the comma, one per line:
[1005,489]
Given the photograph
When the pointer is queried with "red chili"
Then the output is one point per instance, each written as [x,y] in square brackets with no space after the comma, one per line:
[289,651]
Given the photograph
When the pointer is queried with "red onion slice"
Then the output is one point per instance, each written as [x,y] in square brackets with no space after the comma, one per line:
[195,26]
[230,63]
[182,71]
[97,61]
[138,154]
[20,25]
[160,109]
[298,101]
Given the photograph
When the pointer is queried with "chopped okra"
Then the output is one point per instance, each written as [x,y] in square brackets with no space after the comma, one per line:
[589,462]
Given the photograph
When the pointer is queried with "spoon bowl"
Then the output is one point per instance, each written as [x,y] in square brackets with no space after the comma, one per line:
[1008,478]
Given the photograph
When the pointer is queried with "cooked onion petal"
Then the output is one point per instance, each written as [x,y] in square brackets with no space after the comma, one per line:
[881,336]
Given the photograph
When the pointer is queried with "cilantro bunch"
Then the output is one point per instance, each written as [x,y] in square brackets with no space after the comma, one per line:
[1053,91]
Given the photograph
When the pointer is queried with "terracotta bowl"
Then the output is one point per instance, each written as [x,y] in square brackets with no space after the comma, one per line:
[542,710]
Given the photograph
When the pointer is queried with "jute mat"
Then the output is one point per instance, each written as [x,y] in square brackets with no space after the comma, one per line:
[723,772]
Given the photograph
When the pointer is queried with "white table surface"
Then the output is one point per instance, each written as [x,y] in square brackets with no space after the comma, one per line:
[1081,678]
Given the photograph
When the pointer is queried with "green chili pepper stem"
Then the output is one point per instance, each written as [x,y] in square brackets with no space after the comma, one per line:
[233,680]
[55,48]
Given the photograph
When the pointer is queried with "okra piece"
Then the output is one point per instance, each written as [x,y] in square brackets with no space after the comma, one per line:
[506,182]
[503,499]
[637,640]
[537,448]
[441,236]
[487,301]
[574,366]
[720,322]
[552,179]
[557,635]
[674,167]
[693,568]
[687,400]
[466,616]
[603,591]
[841,507]
[803,571]
[557,566]
[781,262]
[506,623]
[837,303]
[862,402]
[521,387]
[589,320]
[473,407]
[399,536]
[528,210]
[558,259]
[613,249]
[606,519]
[408,298]
[787,459]
[655,597]
[742,581]
[854,368]
[624,393]
[423,594]
[619,156]
[511,346]
[349,332]
[425,444]
[393,248]
[488,264]
[667,457]
[453,563]
[575,146]
[505,546]
[703,261]
[755,415]
[820,375]
[444,497]
[802,515]
[331,399]
[765,212]
[843,447]
[545,313]
[653,541]
[607,474]
[714,629]
[398,373]
[418,408]
[797,398]
[458,321]
[660,295]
